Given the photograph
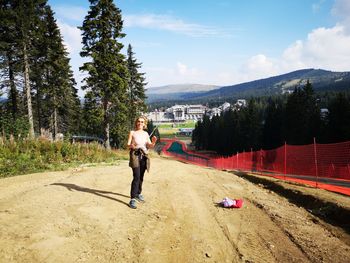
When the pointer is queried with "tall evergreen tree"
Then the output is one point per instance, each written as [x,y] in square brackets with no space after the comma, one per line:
[339,119]
[92,116]
[107,71]
[230,132]
[273,131]
[32,53]
[302,116]
[58,94]
[20,27]
[252,126]
[28,17]
[9,57]
[136,87]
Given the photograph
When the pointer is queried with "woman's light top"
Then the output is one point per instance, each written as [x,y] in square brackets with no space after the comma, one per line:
[140,140]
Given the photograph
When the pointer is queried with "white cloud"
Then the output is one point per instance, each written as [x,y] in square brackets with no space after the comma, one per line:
[71,36]
[341,10]
[74,13]
[72,41]
[260,65]
[169,23]
[184,71]
[326,48]
[177,74]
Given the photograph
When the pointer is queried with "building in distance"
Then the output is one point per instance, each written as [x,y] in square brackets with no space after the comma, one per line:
[182,113]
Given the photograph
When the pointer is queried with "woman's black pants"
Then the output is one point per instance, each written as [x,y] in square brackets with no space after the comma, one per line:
[138,173]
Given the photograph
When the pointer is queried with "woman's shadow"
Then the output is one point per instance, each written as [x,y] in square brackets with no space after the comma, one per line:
[101,193]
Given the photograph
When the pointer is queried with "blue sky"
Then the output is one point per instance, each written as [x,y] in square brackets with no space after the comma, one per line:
[222,42]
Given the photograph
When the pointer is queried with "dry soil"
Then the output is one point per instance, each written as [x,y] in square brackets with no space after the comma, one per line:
[82,215]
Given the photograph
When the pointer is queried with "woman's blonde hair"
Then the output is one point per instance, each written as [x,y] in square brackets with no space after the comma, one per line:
[145,122]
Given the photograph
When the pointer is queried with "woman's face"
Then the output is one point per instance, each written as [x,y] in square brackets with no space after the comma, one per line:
[140,124]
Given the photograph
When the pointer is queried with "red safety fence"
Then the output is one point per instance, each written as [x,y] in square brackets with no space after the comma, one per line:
[324,166]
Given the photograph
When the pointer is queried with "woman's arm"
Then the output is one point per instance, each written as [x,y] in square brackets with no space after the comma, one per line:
[130,145]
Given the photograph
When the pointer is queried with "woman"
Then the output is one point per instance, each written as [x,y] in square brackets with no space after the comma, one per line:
[139,143]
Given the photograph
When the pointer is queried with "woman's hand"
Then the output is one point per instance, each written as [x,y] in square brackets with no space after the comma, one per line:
[132,146]
[154,140]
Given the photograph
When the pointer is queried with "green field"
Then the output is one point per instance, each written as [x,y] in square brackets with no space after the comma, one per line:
[170,130]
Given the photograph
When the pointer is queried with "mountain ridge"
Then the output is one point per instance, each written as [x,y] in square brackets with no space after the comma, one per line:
[285,83]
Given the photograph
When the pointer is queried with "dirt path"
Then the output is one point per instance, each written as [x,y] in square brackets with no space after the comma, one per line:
[82,215]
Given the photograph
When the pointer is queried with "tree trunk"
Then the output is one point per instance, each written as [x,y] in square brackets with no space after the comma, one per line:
[38,107]
[28,93]
[55,125]
[13,90]
[106,123]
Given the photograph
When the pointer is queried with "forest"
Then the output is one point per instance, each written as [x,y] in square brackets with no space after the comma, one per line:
[38,91]
[267,123]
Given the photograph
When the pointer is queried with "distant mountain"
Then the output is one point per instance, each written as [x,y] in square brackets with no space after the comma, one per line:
[175,92]
[321,80]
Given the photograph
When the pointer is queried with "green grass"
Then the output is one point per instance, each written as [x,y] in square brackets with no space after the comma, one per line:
[170,130]
[28,156]
[187,124]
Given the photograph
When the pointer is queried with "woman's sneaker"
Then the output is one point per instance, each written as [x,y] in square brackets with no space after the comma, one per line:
[132,203]
[140,198]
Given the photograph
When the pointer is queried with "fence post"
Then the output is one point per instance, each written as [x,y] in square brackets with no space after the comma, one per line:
[251,160]
[316,168]
[261,162]
[244,161]
[285,160]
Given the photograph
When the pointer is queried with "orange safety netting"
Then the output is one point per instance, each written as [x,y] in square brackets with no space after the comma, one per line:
[325,166]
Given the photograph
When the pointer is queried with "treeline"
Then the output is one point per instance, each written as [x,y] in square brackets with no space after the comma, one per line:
[267,124]
[38,82]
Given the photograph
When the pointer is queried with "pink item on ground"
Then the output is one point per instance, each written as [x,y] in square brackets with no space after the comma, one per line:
[231,203]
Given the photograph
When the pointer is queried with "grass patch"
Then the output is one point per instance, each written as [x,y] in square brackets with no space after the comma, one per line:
[170,130]
[30,156]
[187,124]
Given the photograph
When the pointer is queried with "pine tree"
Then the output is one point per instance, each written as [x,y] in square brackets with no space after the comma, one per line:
[302,116]
[62,103]
[92,116]
[21,23]
[229,133]
[107,71]
[252,126]
[197,135]
[339,119]
[273,132]
[28,17]
[9,68]
[136,87]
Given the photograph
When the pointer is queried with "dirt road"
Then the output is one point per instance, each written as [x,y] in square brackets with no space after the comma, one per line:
[82,215]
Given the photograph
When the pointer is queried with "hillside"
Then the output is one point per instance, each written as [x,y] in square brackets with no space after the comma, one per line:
[322,80]
[180,91]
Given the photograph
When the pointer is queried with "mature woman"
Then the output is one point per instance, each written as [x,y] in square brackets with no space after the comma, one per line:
[139,143]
